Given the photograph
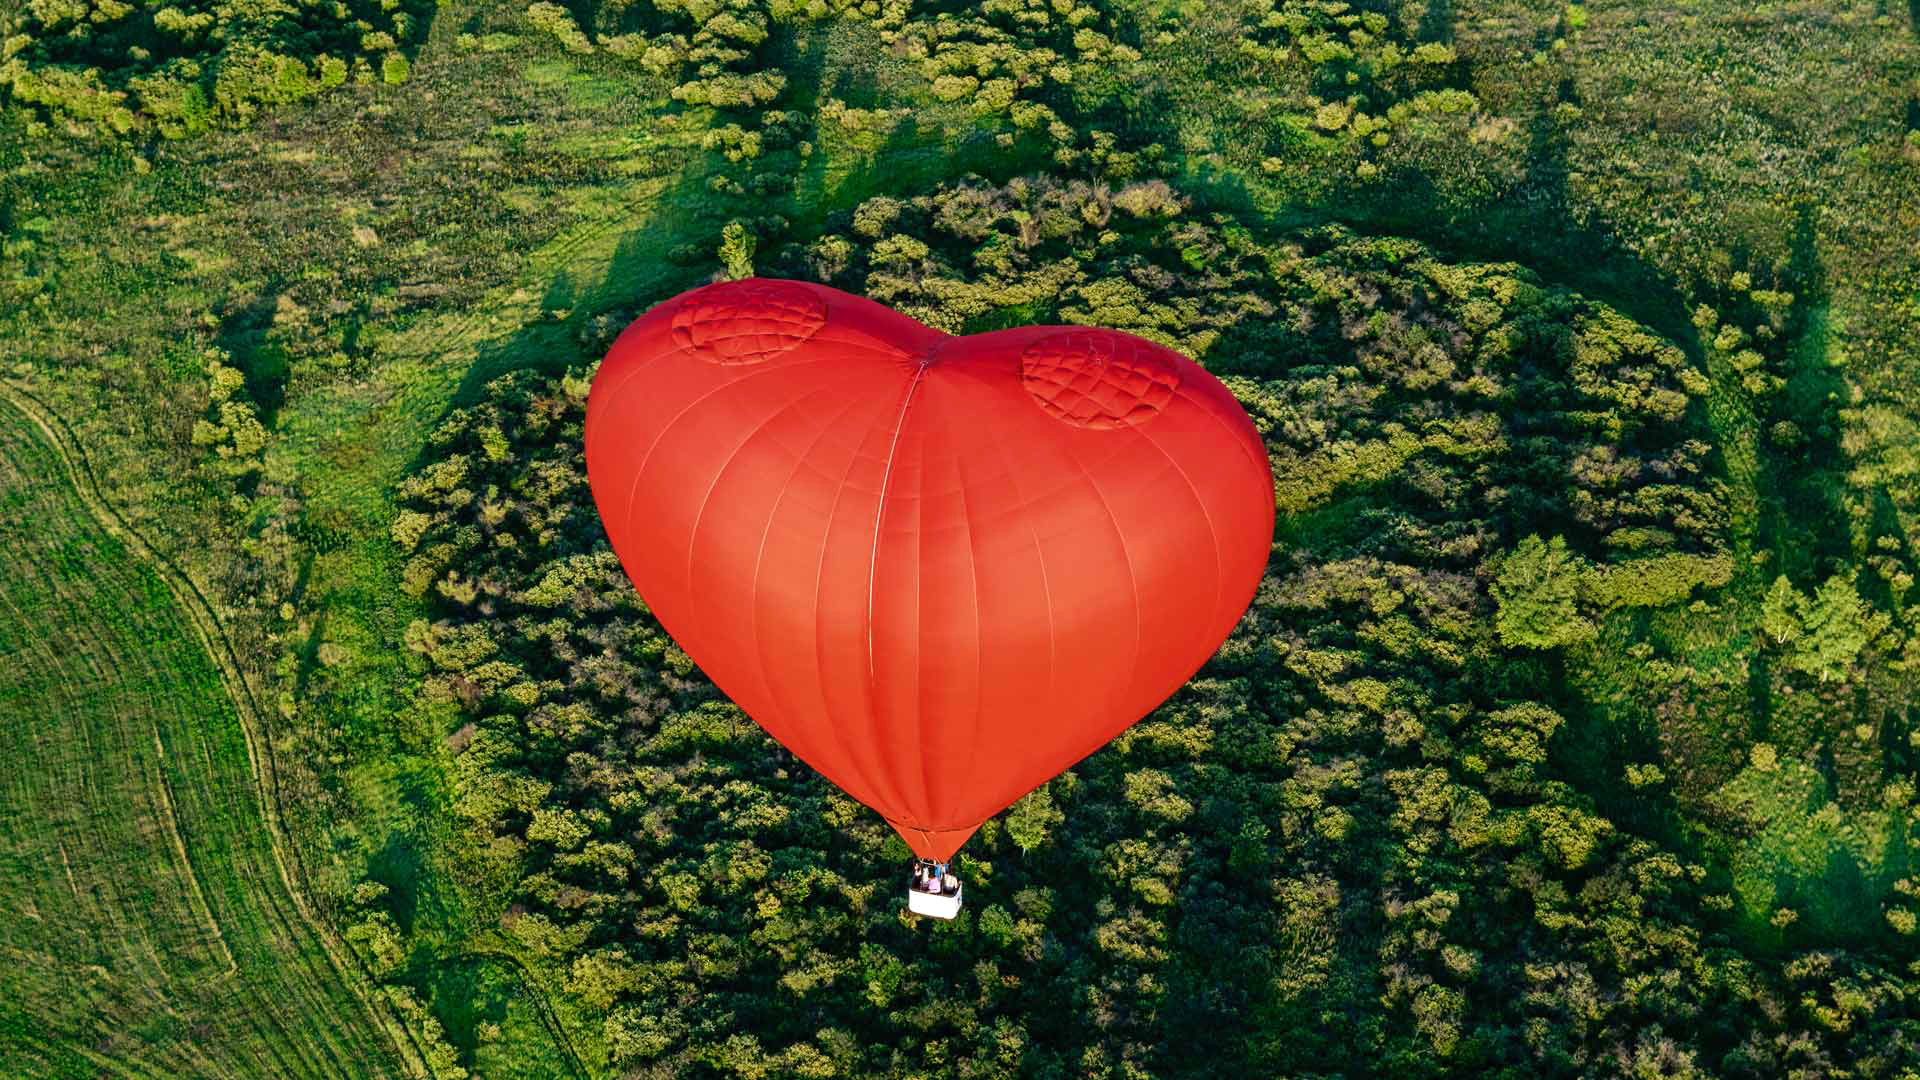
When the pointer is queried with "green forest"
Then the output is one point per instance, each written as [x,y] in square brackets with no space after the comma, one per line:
[1574,729]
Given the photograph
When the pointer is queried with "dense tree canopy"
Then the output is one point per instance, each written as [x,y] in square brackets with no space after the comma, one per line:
[179,67]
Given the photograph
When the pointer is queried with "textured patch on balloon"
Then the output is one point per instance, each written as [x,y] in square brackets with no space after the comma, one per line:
[747,322]
[1098,380]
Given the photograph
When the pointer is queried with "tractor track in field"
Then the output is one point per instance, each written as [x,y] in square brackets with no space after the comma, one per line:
[256,730]
[585,240]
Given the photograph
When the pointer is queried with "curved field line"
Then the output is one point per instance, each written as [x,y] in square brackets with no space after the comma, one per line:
[164,788]
[200,615]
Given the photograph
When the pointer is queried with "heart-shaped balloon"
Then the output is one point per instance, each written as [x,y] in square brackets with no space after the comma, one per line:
[939,569]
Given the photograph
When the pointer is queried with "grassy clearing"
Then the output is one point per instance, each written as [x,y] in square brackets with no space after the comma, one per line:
[1827,865]
[147,929]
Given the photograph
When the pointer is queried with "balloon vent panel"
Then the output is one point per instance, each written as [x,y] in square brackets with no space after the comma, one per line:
[1098,379]
[747,322]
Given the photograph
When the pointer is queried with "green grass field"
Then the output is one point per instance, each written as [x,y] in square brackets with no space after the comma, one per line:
[146,928]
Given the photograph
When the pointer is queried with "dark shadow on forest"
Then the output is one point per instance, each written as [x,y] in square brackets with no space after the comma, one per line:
[1436,22]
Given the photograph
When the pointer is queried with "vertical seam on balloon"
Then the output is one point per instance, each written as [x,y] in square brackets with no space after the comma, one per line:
[920,635]
[1133,578]
[1040,559]
[1206,514]
[979,642]
[880,512]
[879,521]
[753,589]
[920,687]
[819,579]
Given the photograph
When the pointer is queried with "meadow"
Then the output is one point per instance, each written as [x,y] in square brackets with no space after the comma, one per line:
[150,926]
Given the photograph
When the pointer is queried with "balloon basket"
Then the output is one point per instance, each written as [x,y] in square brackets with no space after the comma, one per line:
[934,905]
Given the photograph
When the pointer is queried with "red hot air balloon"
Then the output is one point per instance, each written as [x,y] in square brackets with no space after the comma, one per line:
[939,569]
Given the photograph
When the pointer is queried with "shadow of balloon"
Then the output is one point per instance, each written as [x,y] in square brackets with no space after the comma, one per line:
[673,247]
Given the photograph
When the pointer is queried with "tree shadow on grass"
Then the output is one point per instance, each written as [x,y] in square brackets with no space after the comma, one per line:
[308,653]
[399,865]
[483,1002]
[1838,904]
[1436,22]
[467,994]
[1805,467]
[244,327]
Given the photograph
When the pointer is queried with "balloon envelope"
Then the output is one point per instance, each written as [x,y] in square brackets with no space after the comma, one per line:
[939,569]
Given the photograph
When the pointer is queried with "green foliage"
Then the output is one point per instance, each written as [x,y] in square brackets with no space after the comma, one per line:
[1538,592]
[1032,820]
[1655,582]
[736,251]
[1780,613]
[1824,633]
[442,1060]
[232,426]
[378,941]
[180,65]
[557,21]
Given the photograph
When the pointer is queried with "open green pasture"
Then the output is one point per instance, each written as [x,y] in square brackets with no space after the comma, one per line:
[146,929]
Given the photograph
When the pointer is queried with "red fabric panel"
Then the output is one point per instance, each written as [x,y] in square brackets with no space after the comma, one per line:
[940,570]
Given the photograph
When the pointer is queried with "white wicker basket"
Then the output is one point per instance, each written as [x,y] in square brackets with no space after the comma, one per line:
[933,904]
